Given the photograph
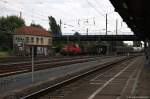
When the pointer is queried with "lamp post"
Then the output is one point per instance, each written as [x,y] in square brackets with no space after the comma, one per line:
[32,64]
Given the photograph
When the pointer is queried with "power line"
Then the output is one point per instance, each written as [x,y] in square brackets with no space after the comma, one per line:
[102,8]
[95,8]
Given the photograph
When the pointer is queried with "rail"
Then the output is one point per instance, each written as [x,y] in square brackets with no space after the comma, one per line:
[72,79]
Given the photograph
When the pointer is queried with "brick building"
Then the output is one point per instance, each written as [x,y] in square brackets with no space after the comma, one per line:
[27,37]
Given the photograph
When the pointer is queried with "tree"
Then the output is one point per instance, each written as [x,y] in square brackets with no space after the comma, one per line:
[36,25]
[76,34]
[54,27]
[10,23]
[7,26]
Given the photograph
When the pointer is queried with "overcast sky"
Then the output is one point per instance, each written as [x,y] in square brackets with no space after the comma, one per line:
[76,15]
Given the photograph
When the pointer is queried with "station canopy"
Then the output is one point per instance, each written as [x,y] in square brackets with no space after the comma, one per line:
[136,13]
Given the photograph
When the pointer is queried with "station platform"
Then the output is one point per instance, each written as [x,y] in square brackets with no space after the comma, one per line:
[131,82]
[143,84]
[22,83]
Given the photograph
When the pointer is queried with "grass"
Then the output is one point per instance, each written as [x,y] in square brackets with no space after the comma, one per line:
[4,54]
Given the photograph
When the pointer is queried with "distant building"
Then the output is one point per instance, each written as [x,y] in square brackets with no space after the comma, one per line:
[27,37]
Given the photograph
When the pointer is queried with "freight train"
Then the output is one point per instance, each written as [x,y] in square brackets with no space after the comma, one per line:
[71,49]
[75,49]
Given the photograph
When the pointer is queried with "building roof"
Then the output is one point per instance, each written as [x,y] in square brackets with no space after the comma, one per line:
[32,30]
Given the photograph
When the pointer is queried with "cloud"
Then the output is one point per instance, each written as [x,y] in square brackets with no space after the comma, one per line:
[69,11]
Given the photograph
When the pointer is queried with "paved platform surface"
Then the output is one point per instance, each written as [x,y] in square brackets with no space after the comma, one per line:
[120,82]
[15,82]
[143,84]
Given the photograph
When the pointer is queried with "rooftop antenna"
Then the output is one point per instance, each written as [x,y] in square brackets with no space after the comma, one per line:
[20,14]
[32,22]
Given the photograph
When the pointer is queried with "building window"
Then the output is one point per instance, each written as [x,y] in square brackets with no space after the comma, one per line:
[32,39]
[19,39]
[42,41]
[37,40]
[49,41]
[27,39]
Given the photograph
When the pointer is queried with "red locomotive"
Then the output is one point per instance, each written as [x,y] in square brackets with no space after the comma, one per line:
[71,49]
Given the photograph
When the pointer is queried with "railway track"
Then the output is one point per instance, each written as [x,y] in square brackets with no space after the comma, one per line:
[22,67]
[21,59]
[59,90]
[17,61]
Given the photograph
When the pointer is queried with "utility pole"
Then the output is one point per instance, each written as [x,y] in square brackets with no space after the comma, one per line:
[87,31]
[121,24]
[106,23]
[116,26]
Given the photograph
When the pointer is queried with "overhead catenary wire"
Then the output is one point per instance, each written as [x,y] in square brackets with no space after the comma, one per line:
[102,8]
[95,8]
[42,17]
[99,12]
